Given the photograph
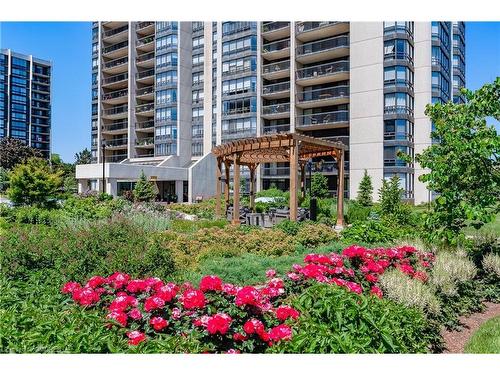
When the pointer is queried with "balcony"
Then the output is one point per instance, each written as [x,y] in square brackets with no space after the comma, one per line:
[116,144]
[115,128]
[275,129]
[116,82]
[339,138]
[115,35]
[145,28]
[115,113]
[115,97]
[145,126]
[148,142]
[398,110]
[146,93]
[397,163]
[323,97]
[116,158]
[331,48]
[116,66]
[146,77]
[116,50]
[145,44]
[308,31]
[398,57]
[276,171]
[146,60]
[325,120]
[275,30]
[276,70]
[323,73]
[398,84]
[276,111]
[145,109]
[276,90]
[398,136]
[276,50]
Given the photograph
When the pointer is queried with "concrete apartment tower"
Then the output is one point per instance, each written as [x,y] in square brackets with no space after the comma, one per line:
[25,99]
[165,93]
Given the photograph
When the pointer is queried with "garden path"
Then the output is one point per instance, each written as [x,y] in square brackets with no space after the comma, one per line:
[455,340]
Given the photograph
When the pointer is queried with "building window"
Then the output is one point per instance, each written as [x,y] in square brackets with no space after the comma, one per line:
[238,45]
[239,86]
[165,42]
[164,26]
[166,114]
[398,49]
[198,59]
[168,59]
[166,78]
[398,75]
[198,42]
[166,96]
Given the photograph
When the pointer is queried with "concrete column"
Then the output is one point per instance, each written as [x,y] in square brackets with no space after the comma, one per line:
[112,186]
[83,186]
[179,189]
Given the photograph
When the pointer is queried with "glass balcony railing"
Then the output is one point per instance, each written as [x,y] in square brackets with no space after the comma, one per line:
[273,129]
[398,56]
[396,163]
[236,111]
[275,88]
[276,67]
[399,28]
[275,109]
[323,94]
[144,41]
[115,95]
[145,74]
[398,110]
[398,136]
[117,78]
[116,142]
[145,57]
[112,32]
[145,124]
[116,62]
[115,110]
[272,26]
[398,83]
[303,27]
[145,91]
[116,158]
[323,118]
[144,108]
[323,45]
[122,125]
[115,47]
[323,70]
[143,25]
[276,46]
[145,141]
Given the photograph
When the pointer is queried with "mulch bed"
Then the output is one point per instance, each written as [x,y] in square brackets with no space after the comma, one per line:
[455,340]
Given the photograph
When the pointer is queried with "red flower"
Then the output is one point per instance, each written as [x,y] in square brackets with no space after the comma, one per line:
[135,314]
[318,258]
[371,278]
[118,280]
[420,275]
[406,268]
[281,332]
[210,282]
[293,276]
[153,303]
[425,264]
[230,289]
[354,251]
[285,312]
[95,281]
[270,273]
[137,286]
[85,296]
[219,323]
[135,337]
[247,295]
[70,287]
[254,326]
[354,287]
[233,351]
[158,323]
[122,302]
[239,337]
[119,317]
[375,290]
[167,292]
[313,270]
[193,299]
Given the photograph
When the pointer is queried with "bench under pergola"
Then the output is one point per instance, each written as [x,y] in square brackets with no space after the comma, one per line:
[293,148]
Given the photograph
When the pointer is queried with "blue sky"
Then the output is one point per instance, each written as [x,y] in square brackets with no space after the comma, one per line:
[68,46]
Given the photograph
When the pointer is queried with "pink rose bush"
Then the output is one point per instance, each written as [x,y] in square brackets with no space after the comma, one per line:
[233,319]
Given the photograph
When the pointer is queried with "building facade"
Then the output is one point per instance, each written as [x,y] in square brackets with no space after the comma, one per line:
[25,99]
[165,93]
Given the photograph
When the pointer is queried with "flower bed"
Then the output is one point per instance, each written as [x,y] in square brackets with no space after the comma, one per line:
[233,319]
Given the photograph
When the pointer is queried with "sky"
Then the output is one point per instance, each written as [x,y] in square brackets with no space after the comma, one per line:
[68,46]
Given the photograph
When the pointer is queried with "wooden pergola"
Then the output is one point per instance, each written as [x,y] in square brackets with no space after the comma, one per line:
[293,148]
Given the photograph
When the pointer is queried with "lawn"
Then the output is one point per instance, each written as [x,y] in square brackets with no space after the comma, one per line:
[486,340]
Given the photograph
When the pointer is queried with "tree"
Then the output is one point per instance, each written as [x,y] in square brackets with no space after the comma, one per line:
[58,164]
[70,185]
[463,164]
[14,151]
[365,190]
[319,185]
[34,183]
[144,190]
[83,157]
[390,196]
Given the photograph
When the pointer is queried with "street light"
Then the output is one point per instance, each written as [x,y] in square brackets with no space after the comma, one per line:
[103,146]
[313,203]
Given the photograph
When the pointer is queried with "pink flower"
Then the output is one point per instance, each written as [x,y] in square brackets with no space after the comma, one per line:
[233,351]
[210,282]
[293,276]
[95,281]
[247,295]
[158,323]
[371,278]
[354,287]
[167,292]
[122,302]
[406,268]
[176,313]
[219,323]
[354,251]
[70,287]
[118,280]
[85,296]
[153,303]
[193,299]
[375,290]
[253,326]
[420,275]
[230,289]
[135,314]
[137,286]
[284,312]
[119,317]
[135,337]
[270,273]
[296,267]
[311,271]
[281,332]
[239,337]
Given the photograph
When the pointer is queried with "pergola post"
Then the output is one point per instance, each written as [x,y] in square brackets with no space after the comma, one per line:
[227,172]
[340,188]
[218,188]
[294,166]
[236,190]
[252,168]
[303,179]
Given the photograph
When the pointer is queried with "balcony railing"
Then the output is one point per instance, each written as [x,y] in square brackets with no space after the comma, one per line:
[323,118]
[236,70]
[116,110]
[276,87]
[399,29]
[145,74]
[116,142]
[116,62]
[324,94]
[273,129]
[276,46]
[144,108]
[396,163]
[114,95]
[115,47]
[145,91]
[303,27]
[145,141]
[398,56]
[144,41]
[398,136]
[145,124]
[323,45]
[398,110]
[122,125]
[276,171]
[143,25]
[112,32]
[116,158]
[117,78]
[275,109]
[276,67]
[323,70]
[439,63]
[272,26]
[236,111]
[398,83]
[145,57]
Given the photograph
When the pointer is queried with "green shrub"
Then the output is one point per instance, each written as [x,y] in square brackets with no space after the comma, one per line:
[314,234]
[144,190]
[370,231]
[357,212]
[92,207]
[449,270]
[289,227]
[334,320]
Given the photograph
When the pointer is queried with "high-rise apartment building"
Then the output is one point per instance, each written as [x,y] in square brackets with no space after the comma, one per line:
[165,93]
[25,99]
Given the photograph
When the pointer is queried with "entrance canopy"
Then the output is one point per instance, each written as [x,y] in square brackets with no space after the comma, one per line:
[293,148]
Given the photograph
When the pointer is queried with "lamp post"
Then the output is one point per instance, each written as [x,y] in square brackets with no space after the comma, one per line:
[103,146]
[313,203]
